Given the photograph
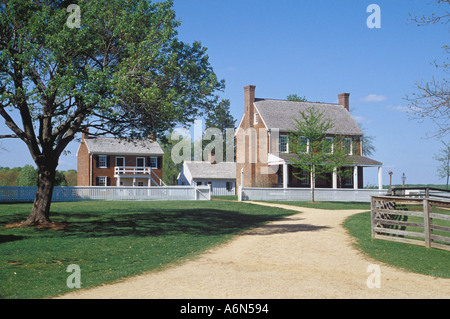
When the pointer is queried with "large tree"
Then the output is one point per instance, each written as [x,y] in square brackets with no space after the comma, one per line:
[431,100]
[119,70]
[220,118]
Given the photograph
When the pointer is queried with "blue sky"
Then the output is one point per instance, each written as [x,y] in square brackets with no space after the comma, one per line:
[319,49]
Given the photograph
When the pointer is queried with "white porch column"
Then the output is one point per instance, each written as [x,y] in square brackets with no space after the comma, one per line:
[149,182]
[241,185]
[335,178]
[285,175]
[380,177]
[355,177]
[118,181]
[134,181]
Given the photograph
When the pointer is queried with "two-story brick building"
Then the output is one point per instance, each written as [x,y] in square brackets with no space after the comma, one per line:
[105,161]
[262,143]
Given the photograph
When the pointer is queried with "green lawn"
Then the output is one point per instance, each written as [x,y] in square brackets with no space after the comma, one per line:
[112,240]
[428,261]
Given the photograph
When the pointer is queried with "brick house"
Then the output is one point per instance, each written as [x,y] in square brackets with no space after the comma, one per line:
[105,161]
[262,143]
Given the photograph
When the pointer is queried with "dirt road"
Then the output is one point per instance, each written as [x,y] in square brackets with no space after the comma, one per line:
[307,255]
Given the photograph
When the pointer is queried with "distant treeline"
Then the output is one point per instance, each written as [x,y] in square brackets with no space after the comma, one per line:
[27,176]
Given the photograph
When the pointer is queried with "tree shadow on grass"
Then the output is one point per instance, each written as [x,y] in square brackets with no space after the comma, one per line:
[144,222]
[159,223]
[10,238]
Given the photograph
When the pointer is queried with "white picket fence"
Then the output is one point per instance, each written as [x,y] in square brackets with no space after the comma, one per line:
[304,194]
[82,193]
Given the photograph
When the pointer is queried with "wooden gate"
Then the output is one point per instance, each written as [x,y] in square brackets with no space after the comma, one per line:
[411,219]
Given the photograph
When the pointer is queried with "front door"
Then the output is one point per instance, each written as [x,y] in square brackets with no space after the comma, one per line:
[140,164]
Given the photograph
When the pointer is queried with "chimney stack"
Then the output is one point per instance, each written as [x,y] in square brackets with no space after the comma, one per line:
[249,100]
[344,100]
[212,157]
[85,134]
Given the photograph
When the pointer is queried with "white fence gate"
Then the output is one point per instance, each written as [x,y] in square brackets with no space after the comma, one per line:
[82,193]
[304,194]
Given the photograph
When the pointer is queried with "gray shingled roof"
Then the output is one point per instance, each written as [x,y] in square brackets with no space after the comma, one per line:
[206,170]
[109,145]
[280,114]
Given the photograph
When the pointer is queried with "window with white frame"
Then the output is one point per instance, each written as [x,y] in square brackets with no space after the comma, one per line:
[255,118]
[348,146]
[101,181]
[102,161]
[303,144]
[328,145]
[154,162]
[283,144]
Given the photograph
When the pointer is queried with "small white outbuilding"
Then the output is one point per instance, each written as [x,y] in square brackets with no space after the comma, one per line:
[220,176]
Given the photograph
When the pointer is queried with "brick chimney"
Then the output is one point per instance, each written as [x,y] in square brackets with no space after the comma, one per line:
[212,157]
[85,134]
[344,100]
[249,91]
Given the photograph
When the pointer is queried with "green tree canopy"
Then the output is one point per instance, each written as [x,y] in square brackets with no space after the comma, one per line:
[312,150]
[28,176]
[123,72]
[295,97]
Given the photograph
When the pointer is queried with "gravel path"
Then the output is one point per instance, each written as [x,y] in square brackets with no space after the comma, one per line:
[307,255]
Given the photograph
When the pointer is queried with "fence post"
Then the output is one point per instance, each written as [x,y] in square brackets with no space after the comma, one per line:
[372,216]
[426,222]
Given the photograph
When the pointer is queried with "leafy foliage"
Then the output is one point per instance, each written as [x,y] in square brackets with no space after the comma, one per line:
[124,72]
[314,152]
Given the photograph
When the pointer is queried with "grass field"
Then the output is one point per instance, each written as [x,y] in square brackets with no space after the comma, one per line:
[427,261]
[112,240]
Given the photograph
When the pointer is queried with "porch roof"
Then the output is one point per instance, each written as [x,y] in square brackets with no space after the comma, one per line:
[354,159]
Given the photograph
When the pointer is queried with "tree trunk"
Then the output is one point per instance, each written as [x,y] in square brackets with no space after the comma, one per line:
[40,213]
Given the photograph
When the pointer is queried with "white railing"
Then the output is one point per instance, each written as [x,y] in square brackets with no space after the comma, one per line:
[83,193]
[304,194]
[131,170]
[136,171]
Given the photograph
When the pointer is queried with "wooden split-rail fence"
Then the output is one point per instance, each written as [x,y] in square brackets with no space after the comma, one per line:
[418,216]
